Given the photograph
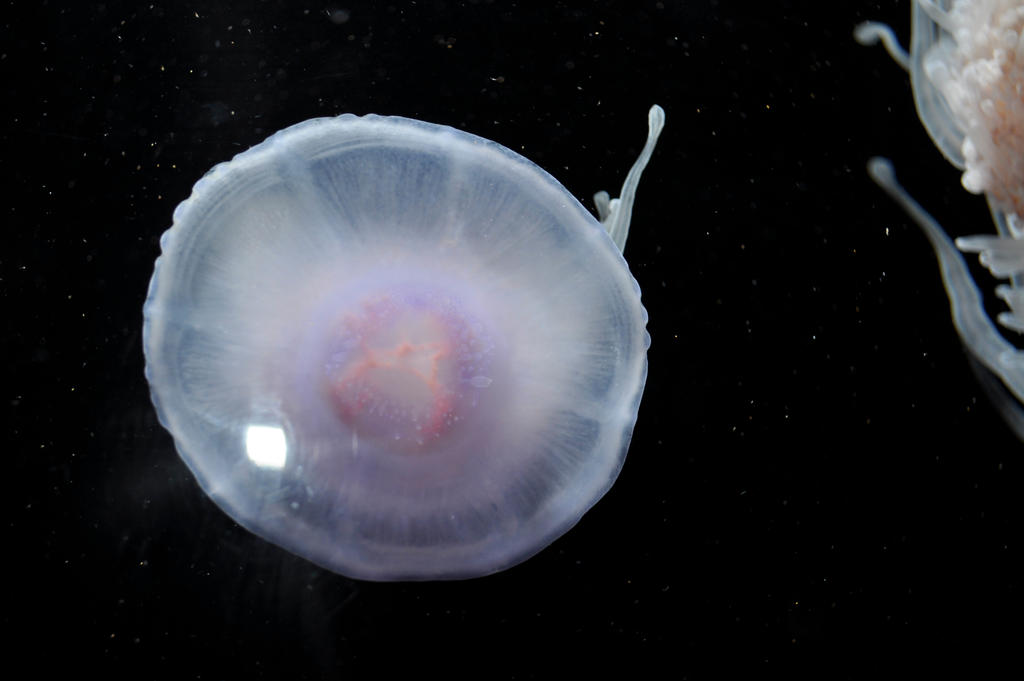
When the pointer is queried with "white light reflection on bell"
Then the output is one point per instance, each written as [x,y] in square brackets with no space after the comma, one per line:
[266,446]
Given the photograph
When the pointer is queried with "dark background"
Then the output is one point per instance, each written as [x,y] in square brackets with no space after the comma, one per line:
[816,486]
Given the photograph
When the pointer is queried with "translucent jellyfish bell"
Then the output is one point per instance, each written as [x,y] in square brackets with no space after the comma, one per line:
[926,63]
[397,349]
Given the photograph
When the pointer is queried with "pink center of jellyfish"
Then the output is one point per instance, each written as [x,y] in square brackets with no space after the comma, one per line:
[404,366]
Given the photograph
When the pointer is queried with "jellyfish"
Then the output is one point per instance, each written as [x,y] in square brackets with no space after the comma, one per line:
[398,350]
[966,65]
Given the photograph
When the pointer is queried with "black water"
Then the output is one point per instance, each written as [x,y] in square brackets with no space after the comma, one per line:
[816,487]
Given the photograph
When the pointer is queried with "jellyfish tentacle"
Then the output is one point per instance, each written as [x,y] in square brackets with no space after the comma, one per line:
[615,214]
[1003,256]
[603,204]
[979,335]
[873,32]
[1014,298]
[1001,398]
